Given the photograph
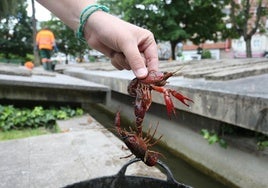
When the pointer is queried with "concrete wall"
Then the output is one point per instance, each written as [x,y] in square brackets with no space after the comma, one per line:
[241,110]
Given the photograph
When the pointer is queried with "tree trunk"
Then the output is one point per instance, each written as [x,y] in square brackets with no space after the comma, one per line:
[248,47]
[35,51]
[173,47]
[66,58]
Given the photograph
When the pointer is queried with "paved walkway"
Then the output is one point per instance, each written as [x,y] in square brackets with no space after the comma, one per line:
[84,150]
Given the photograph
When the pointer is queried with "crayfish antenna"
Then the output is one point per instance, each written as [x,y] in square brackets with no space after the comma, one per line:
[176,71]
[149,137]
[152,136]
[155,142]
[155,130]
[148,134]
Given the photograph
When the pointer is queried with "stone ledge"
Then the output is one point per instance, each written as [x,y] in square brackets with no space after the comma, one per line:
[241,102]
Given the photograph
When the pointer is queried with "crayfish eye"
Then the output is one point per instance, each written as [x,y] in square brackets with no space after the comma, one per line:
[131,139]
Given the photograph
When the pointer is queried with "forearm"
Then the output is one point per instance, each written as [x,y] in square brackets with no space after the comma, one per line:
[67,10]
[128,46]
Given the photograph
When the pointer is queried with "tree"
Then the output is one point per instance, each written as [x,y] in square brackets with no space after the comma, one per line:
[8,7]
[177,21]
[15,32]
[189,20]
[35,51]
[247,19]
[162,18]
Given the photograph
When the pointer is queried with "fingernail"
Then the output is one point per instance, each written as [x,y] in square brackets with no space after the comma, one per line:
[141,73]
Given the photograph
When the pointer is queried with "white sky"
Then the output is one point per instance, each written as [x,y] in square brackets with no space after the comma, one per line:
[41,13]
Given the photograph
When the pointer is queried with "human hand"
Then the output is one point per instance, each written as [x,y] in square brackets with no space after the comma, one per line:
[128,46]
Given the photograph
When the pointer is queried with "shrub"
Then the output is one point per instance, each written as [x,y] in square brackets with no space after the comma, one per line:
[206,54]
[21,118]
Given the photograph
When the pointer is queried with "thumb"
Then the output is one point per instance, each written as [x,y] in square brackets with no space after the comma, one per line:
[140,72]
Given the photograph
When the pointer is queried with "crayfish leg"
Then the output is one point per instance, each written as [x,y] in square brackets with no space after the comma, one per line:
[149,145]
[126,156]
[168,101]
[149,137]
[124,148]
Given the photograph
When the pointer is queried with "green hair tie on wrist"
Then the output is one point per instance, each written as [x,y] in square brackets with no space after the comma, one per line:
[88,11]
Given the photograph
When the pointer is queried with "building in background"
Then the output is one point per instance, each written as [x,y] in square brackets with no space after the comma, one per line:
[231,48]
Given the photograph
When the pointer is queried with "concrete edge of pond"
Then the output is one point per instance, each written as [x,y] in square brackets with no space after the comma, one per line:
[243,102]
[240,168]
[50,86]
[231,166]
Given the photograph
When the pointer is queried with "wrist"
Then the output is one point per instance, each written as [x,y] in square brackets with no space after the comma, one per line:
[85,15]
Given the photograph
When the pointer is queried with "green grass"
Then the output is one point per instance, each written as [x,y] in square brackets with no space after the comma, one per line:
[16,134]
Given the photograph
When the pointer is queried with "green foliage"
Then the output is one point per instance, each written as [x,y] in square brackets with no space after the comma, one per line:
[213,138]
[262,142]
[16,33]
[202,25]
[206,54]
[16,134]
[8,7]
[176,21]
[16,118]
[262,145]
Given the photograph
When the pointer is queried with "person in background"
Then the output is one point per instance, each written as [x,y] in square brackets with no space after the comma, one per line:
[128,46]
[45,42]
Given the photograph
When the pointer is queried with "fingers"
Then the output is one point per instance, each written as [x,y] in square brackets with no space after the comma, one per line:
[128,46]
[119,61]
[131,58]
[136,60]
[148,46]
[151,57]
[141,53]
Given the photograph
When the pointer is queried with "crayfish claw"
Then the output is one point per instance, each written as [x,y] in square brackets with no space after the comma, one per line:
[181,97]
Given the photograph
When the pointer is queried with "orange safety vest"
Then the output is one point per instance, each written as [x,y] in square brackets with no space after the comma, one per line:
[45,39]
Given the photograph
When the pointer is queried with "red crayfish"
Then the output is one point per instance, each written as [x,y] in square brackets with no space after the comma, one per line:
[138,145]
[141,89]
